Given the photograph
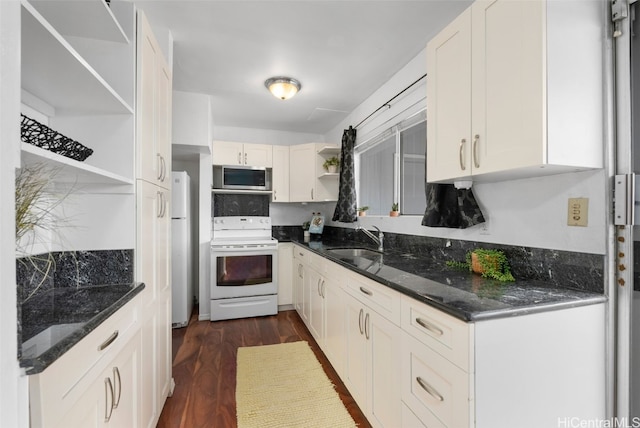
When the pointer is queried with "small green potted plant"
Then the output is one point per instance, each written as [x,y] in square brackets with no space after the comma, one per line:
[488,263]
[394,210]
[362,211]
[331,165]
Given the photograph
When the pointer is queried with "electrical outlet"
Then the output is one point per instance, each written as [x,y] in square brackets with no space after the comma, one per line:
[578,212]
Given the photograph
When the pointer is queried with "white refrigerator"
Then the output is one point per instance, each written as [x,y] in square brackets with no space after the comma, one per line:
[182,290]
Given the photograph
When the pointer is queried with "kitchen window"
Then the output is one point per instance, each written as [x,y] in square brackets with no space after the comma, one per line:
[391,168]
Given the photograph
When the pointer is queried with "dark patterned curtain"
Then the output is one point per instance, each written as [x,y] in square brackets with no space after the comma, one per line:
[451,207]
[346,207]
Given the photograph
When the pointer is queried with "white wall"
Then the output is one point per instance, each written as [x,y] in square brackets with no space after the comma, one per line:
[265,136]
[14,399]
[527,212]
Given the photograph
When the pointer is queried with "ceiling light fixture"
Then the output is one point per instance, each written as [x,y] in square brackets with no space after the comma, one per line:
[282,87]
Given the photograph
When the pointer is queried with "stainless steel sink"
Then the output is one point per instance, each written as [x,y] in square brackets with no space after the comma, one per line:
[355,252]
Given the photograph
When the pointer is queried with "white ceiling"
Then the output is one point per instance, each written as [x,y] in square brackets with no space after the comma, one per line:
[341,51]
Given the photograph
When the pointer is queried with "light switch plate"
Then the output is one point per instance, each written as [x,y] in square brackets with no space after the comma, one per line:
[578,212]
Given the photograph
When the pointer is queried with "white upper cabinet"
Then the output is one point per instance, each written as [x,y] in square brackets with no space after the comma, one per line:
[515,90]
[280,174]
[232,153]
[191,119]
[154,109]
[312,183]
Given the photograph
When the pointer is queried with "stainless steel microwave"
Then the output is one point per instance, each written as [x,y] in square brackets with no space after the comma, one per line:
[237,177]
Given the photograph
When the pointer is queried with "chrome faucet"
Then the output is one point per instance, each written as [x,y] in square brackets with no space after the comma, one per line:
[377,239]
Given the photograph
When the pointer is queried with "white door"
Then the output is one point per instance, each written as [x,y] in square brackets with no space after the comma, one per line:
[449,101]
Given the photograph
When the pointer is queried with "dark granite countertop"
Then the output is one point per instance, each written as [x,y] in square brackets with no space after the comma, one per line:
[461,294]
[54,321]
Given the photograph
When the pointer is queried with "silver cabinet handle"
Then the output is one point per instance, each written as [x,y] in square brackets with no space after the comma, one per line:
[432,328]
[319,293]
[312,194]
[322,289]
[109,341]
[116,379]
[360,320]
[365,291]
[163,170]
[430,389]
[239,158]
[275,196]
[476,139]
[245,158]
[108,389]
[460,154]
[366,326]
[159,207]
[159,165]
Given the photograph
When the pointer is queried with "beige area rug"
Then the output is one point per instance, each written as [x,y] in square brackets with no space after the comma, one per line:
[284,385]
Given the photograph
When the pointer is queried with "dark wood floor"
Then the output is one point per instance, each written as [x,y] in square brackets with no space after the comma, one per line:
[204,368]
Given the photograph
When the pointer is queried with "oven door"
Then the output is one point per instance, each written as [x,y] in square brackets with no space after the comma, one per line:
[243,271]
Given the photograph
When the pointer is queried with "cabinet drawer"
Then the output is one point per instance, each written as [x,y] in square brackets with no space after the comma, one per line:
[378,297]
[448,336]
[307,257]
[54,391]
[439,393]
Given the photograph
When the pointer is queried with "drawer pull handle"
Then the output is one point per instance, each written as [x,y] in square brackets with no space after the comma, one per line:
[116,379]
[460,153]
[366,326]
[109,341]
[365,291]
[476,138]
[432,328]
[108,389]
[430,390]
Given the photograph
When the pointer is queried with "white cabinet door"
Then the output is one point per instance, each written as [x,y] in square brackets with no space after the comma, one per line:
[384,354]
[227,153]
[153,268]
[153,109]
[234,153]
[285,270]
[258,155]
[113,398]
[301,166]
[298,286]
[356,352]
[508,87]
[373,363]
[316,305]
[280,174]
[334,324]
[449,101]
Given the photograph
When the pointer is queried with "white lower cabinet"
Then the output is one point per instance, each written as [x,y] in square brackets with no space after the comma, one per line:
[285,280]
[408,364]
[96,383]
[437,391]
[373,361]
[334,343]
[112,401]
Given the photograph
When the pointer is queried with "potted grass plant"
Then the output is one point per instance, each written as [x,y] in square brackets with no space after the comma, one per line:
[331,165]
[362,211]
[487,263]
[394,210]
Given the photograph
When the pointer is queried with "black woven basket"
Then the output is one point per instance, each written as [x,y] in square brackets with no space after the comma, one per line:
[34,132]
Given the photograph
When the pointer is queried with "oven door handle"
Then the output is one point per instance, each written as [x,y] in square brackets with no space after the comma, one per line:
[244,249]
